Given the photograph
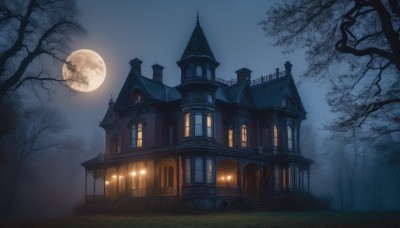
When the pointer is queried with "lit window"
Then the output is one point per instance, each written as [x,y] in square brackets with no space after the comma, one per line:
[284,177]
[275,136]
[230,136]
[209,126]
[187,125]
[198,71]
[138,98]
[290,137]
[244,135]
[136,135]
[198,124]
[198,174]
[210,168]
[187,170]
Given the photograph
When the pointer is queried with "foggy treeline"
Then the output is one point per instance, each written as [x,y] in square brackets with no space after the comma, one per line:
[352,173]
[40,171]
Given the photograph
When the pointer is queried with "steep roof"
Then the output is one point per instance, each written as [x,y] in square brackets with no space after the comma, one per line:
[153,89]
[198,45]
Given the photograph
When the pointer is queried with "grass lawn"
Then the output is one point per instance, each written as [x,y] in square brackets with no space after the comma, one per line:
[234,219]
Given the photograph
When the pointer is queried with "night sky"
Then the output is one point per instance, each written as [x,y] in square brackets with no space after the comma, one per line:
[158,31]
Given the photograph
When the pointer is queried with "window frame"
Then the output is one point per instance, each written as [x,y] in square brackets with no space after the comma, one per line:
[244,136]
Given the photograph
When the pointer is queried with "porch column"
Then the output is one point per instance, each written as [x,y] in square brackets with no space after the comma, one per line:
[308,179]
[177,175]
[94,183]
[86,172]
[104,183]
[117,193]
[155,178]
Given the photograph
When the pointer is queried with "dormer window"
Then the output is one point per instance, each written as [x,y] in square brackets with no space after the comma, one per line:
[199,72]
[208,73]
[137,98]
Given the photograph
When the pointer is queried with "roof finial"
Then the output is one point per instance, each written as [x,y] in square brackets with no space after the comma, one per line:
[197,22]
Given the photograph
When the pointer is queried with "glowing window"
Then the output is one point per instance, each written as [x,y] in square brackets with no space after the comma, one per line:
[230,136]
[275,136]
[244,135]
[187,125]
[209,126]
[136,135]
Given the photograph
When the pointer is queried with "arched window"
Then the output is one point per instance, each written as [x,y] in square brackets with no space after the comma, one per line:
[244,135]
[290,137]
[199,71]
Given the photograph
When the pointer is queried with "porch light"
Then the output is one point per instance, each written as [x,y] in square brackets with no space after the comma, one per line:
[222,178]
[142,172]
[133,173]
[107,183]
[229,178]
[114,176]
[121,177]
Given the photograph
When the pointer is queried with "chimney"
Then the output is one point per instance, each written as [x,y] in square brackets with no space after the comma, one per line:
[243,75]
[157,72]
[136,66]
[288,68]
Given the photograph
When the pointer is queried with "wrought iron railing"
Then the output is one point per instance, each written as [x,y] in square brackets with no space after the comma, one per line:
[260,80]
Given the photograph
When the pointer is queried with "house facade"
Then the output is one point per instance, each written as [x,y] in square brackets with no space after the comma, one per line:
[208,142]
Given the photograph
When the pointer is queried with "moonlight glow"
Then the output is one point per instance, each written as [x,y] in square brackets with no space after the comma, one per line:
[89,64]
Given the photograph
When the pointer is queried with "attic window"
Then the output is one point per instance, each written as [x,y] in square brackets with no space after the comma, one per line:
[137,97]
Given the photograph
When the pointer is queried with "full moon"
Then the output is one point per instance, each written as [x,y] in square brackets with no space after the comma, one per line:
[90,65]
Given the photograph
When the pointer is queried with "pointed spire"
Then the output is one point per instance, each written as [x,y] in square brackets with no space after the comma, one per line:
[198,45]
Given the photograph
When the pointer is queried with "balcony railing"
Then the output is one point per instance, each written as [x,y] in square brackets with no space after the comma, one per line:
[257,81]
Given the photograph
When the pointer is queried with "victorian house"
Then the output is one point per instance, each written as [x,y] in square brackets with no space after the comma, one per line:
[206,143]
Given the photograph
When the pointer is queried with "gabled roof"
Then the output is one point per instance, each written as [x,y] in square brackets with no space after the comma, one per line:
[109,117]
[198,45]
[152,89]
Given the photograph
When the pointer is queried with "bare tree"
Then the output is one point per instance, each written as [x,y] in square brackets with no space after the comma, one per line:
[37,131]
[35,35]
[361,35]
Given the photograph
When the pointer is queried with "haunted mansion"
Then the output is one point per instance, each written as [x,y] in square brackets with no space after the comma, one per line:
[207,143]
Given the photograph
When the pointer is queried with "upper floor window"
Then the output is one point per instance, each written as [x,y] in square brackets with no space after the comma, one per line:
[209,98]
[198,124]
[230,136]
[209,73]
[275,136]
[187,124]
[188,72]
[244,135]
[137,134]
[209,126]
[290,137]
[138,98]
[199,71]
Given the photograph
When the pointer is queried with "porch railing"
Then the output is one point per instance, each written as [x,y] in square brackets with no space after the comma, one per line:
[137,192]
[166,192]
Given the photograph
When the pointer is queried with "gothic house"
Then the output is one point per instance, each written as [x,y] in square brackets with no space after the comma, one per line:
[207,143]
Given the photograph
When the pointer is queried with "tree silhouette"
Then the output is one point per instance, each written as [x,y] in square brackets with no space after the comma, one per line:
[358,38]
[34,36]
